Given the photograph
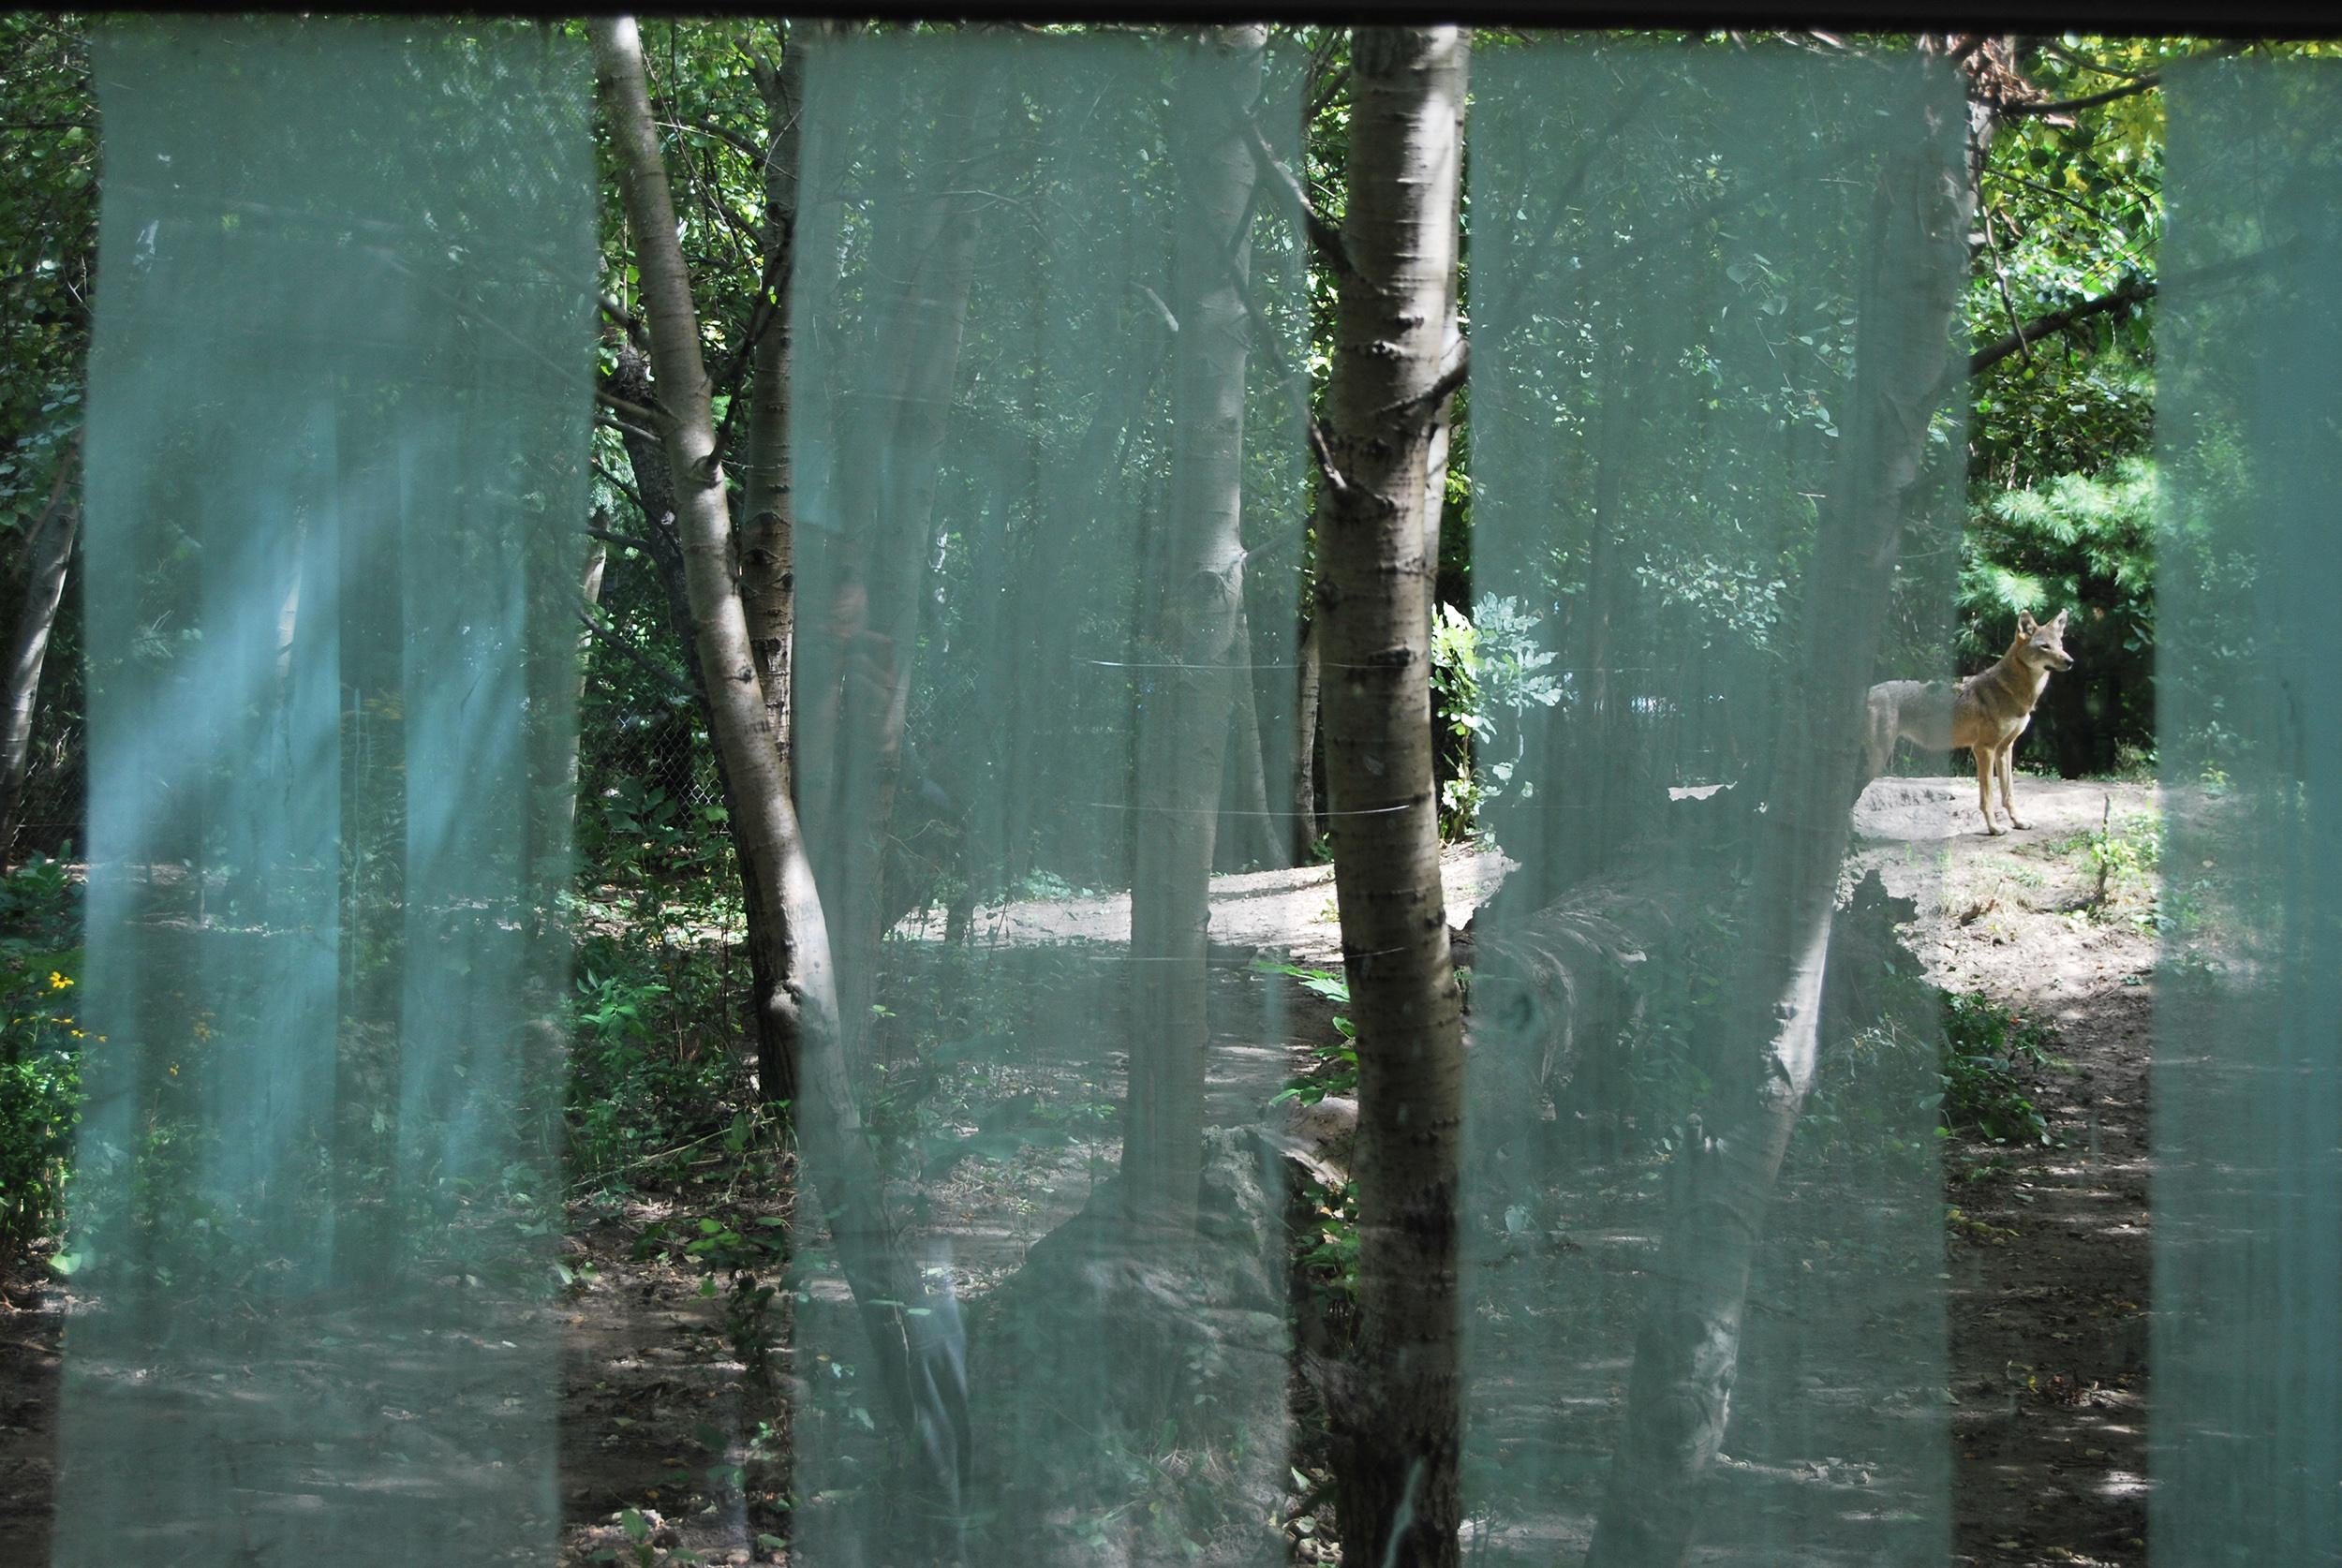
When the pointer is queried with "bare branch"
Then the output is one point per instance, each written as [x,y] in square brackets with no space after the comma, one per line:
[625,427]
[624,542]
[1324,452]
[631,324]
[2094,66]
[2127,292]
[2000,277]
[1322,234]
[2131,290]
[629,491]
[610,639]
[1326,95]
[1454,371]
[2068,106]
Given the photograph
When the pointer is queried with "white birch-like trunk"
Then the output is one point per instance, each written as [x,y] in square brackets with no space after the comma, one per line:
[1398,1434]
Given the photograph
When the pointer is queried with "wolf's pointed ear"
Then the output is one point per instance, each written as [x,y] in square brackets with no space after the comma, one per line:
[2060,622]
[2025,625]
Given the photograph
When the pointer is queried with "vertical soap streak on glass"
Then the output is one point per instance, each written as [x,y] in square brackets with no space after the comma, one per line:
[1711,293]
[987,456]
[2246,1447]
[339,394]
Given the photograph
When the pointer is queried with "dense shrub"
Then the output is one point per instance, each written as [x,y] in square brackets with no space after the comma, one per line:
[40,1052]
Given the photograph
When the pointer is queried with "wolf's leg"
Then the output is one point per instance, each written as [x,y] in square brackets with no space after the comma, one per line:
[1984,765]
[1878,741]
[2008,780]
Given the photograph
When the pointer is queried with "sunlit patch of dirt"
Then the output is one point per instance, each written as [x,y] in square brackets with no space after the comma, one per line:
[2048,1251]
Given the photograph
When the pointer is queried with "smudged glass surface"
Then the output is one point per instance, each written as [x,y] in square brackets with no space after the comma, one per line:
[2247,1454]
[1715,494]
[1051,499]
[336,456]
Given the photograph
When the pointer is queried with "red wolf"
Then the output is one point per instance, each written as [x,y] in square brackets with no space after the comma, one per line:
[1985,713]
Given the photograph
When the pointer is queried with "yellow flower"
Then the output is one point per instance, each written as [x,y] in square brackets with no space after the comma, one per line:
[78,1035]
[58,980]
[174,1066]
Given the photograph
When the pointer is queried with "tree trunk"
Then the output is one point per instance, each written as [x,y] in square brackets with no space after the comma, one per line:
[852,736]
[47,551]
[919,1362]
[1687,1349]
[1196,611]
[1248,833]
[1305,748]
[767,541]
[1398,1429]
[588,596]
[1451,348]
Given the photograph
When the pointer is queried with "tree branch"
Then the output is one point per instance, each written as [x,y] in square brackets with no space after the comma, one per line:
[2129,291]
[2147,83]
[2000,277]
[2133,289]
[1459,371]
[633,326]
[628,542]
[2094,67]
[610,639]
[629,491]
[1322,235]
[1324,452]
[1326,95]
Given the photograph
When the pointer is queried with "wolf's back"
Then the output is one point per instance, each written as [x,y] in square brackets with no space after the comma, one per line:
[1922,711]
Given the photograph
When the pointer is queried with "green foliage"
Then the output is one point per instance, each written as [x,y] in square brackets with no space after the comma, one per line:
[2085,544]
[48,244]
[747,1250]
[1985,1049]
[1330,1246]
[2069,214]
[2123,857]
[1486,670]
[40,1052]
[2074,541]
[650,1086]
[1328,1243]
[1337,1069]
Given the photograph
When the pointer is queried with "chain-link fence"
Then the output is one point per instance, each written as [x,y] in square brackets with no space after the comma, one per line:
[663,746]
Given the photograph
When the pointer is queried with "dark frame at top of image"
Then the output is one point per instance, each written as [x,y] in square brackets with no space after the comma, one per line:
[2199,18]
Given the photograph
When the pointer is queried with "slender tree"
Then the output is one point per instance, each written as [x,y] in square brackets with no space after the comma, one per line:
[47,551]
[919,1371]
[1398,1424]
[1197,609]
[1304,782]
[1688,1347]
[767,542]
[852,752]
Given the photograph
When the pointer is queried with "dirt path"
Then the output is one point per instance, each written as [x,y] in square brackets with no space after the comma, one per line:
[2047,1259]
[1290,911]
[2049,1256]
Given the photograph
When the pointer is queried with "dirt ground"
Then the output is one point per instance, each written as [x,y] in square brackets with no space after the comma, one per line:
[2047,1255]
[2048,1252]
